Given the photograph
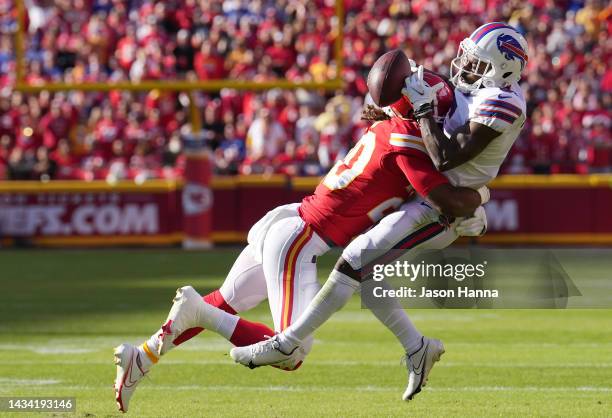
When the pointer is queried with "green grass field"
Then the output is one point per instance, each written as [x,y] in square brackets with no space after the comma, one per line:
[62,312]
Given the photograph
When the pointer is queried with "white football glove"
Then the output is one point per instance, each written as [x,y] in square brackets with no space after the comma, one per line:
[418,91]
[413,65]
[485,194]
[475,226]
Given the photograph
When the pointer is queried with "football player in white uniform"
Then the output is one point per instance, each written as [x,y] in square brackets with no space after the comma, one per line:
[488,116]
[280,261]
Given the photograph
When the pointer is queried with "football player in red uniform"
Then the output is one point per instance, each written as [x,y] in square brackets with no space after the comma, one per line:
[384,169]
[469,146]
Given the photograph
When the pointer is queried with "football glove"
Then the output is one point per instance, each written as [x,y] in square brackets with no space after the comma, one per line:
[485,194]
[475,226]
[420,94]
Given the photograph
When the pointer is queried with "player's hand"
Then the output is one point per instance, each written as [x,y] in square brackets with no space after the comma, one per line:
[485,194]
[420,94]
[475,226]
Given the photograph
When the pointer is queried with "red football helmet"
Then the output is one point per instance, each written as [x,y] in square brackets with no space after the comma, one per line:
[442,104]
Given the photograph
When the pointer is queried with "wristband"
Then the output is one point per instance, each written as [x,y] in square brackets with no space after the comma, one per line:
[423,111]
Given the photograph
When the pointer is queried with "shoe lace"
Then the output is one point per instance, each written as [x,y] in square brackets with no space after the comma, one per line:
[266,346]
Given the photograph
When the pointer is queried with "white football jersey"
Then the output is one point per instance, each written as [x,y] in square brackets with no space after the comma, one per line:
[500,109]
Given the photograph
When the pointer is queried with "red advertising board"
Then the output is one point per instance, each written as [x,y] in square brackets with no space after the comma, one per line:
[523,210]
[90,214]
[197,200]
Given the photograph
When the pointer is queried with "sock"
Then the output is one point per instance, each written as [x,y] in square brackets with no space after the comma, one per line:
[149,349]
[147,357]
[217,320]
[334,294]
[396,320]
[237,330]
[247,333]
[215,299]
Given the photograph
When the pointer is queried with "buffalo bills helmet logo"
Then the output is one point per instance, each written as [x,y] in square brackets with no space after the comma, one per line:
[511,48]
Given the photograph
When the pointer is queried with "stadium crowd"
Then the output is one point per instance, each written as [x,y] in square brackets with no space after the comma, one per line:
[117,135]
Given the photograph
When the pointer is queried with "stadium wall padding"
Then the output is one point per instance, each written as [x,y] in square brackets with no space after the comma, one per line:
[560,209]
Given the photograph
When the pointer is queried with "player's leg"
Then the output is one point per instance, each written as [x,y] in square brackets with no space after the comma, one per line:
[289,260]
[243,289]
[413,226]
[289,264]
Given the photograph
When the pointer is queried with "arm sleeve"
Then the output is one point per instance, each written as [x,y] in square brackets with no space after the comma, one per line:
[420,172]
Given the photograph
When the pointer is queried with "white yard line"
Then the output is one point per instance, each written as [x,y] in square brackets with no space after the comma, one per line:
[306,389]
[5,381]
[228,362]
[47,348]
[83,346]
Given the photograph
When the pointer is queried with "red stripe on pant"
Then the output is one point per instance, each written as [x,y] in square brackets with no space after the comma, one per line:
[289,269]
[430,232]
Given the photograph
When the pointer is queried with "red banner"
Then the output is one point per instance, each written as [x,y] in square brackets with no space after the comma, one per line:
[96,217]
[523,210]
[197,200]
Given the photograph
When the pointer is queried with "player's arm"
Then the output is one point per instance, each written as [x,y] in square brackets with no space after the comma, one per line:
[462,146]
[435,188]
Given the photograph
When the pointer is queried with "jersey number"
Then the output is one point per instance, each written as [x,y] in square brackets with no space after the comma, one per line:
[384,208]
[344,172]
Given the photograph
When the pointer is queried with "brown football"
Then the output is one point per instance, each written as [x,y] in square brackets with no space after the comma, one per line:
[386,77]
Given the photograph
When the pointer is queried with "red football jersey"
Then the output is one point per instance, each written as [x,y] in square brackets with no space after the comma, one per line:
[378,174]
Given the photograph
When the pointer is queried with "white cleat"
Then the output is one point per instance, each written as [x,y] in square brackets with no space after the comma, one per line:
[263,353]
[420,363]
[182,316]
[129,374]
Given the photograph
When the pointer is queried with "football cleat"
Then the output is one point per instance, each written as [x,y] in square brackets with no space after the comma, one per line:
[183,316]
[263,353]
[419,364]
[129,374]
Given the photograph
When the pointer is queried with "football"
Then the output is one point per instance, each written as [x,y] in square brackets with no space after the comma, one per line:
[386,77]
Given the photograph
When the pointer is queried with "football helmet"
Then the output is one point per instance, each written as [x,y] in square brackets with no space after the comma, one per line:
[494,55]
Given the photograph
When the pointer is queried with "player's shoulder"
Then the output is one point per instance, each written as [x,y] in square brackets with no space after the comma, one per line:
[512,96]
[400,135]
[501,106]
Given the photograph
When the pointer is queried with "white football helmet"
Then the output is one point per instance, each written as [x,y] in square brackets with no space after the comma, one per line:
[495,53]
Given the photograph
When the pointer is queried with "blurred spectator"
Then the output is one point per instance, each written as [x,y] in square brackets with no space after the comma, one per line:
[208,62]
[44,167]
[568,82]
[117,163]
[231,152]
[265,137]
[21,164]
